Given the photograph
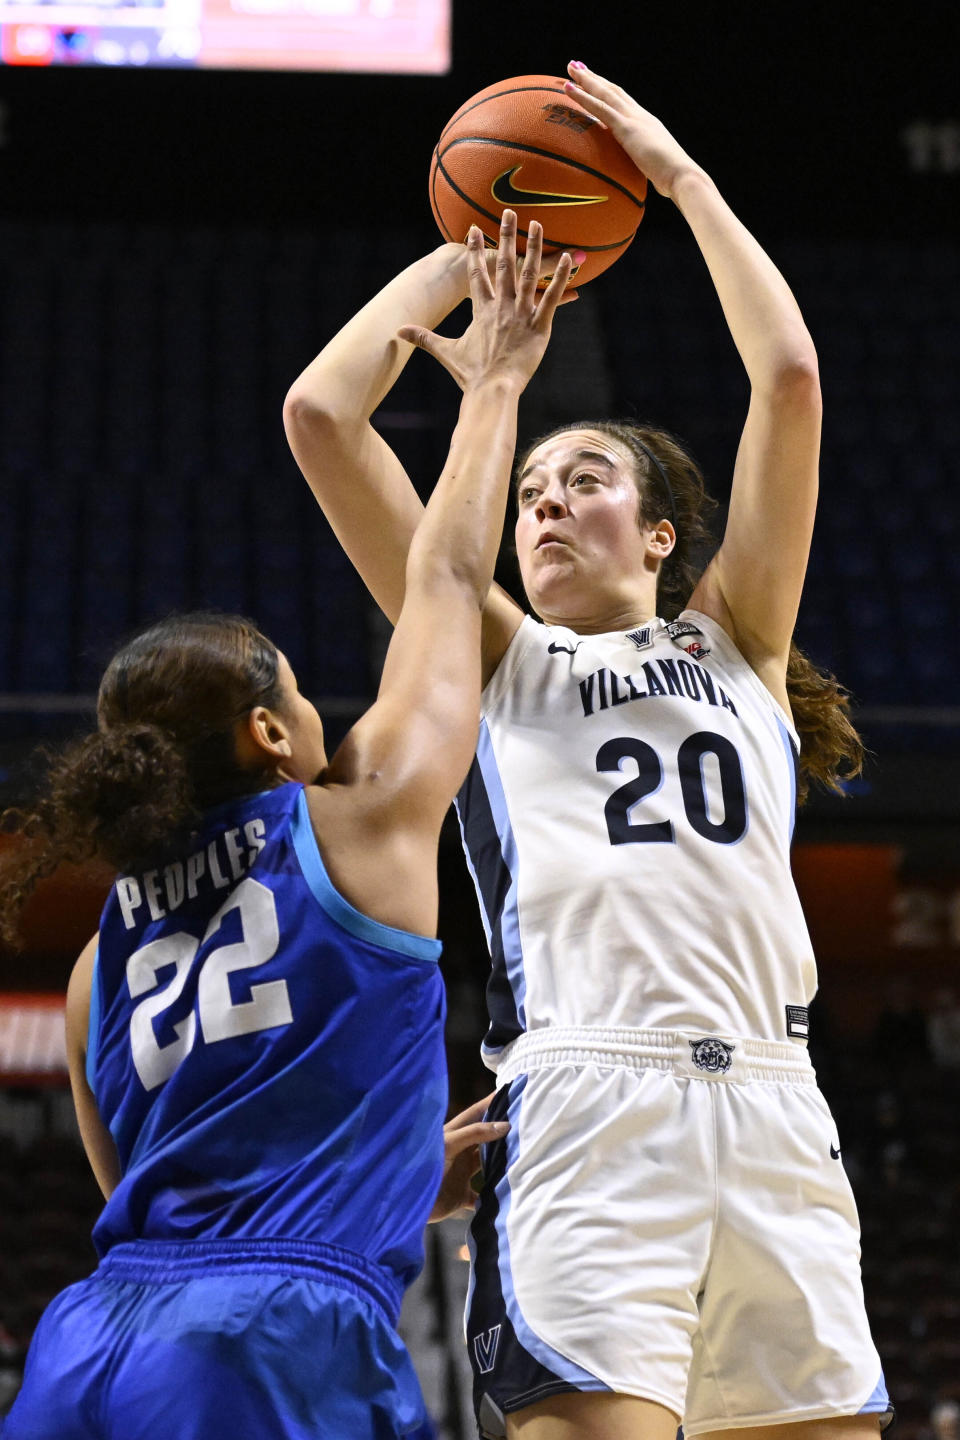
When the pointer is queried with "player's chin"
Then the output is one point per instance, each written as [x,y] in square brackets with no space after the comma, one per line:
[555,590]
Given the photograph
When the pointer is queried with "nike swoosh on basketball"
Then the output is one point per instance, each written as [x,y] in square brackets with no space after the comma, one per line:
[506,192]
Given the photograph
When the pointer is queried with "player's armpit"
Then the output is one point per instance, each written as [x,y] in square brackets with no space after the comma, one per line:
[502,618]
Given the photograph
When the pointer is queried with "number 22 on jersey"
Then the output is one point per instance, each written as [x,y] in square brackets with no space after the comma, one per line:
[218,1015]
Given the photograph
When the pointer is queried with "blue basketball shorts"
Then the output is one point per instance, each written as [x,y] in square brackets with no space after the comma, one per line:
[257,1341]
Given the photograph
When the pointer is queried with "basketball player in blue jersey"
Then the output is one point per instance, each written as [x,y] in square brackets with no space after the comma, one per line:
[666,1233]
[256,1034]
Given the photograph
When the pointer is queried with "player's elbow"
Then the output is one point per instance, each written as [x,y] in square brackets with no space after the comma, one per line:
[302,411]
[309,414]
[794,381]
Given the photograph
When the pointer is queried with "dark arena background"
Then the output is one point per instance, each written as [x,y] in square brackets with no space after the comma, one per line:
[176,244]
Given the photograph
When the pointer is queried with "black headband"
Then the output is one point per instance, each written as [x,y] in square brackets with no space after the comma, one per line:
[666,483]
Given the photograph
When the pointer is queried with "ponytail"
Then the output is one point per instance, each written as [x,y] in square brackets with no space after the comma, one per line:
[831,751]
[164,752]
[121,795]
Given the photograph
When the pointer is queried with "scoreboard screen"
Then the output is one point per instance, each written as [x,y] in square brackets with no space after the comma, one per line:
[375,36]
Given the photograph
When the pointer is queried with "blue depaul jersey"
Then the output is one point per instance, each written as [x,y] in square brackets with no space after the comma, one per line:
[269,1061]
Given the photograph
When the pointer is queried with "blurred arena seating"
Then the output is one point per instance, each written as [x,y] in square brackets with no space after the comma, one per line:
[141,442]
[896,1118]
[143,373]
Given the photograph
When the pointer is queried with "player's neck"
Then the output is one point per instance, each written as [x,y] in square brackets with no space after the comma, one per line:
[603,622]
[621,609]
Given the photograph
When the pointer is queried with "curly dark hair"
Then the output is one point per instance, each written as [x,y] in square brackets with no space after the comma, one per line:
[831,749]
[163,753]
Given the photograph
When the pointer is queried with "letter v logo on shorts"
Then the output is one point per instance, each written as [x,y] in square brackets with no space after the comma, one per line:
[485,1349]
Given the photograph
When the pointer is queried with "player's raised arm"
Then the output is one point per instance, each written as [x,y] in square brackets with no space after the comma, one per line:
[358,481]
[413,747]
[753,585]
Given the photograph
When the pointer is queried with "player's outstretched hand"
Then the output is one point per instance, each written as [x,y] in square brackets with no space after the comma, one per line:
[511,319]
[646,140]
[462,1138]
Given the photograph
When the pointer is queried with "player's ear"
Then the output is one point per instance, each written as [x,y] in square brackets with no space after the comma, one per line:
[263,738]
[662,538]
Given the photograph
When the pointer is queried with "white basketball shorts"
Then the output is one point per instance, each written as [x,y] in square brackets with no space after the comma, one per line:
[668,1217]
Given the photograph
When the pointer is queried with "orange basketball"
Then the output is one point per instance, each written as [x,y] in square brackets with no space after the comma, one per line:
[523,144]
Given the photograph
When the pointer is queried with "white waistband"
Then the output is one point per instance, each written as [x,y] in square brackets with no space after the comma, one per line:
[697,1054]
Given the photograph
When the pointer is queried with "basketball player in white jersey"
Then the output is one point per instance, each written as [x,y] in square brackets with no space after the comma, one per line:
[667,1233]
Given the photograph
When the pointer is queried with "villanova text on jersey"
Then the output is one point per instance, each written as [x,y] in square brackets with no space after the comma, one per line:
[269,1061]
[603,688]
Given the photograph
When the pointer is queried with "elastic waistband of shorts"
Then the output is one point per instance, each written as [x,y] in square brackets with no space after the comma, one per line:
[158,1262]
[695,1054]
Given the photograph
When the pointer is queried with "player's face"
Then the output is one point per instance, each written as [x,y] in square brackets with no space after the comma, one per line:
[581,549]
[304,726]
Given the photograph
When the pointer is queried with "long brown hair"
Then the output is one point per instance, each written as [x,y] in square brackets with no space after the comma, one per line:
[163,752]
[671,486]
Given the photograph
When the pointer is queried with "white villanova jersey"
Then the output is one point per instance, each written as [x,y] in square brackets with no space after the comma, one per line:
[628,821]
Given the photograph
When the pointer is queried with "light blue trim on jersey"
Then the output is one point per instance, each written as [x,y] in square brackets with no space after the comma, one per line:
[93,1021]
[791,770]
[484,917]
[415,947]
[563,1368]
[879,1400]
[227,809]
[510,916]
